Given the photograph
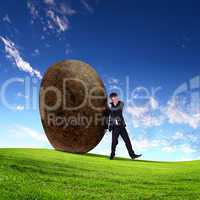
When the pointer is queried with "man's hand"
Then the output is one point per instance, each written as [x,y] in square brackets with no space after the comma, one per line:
[110,128]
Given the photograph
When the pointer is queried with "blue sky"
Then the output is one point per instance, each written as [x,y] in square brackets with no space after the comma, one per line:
[148,51]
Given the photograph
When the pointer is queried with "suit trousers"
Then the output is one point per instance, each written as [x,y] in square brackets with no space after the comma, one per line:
[121,131]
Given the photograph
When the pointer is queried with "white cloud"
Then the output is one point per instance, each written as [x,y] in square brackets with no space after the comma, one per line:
[183,148]
[113,81]
[178,136]
[168,149]
[23,131]
[177,116]
[53,17]
[68,51]
[87,6]
[145,144]
[13,54]
[186,149]
[19,107]
[187,158]
[188,137]
[143,116]
[152,114]
[150,121]
[137,111]
[20,94]
[154,103]
[33,10]
[164,145]
[66,10]
[6,18]
[36,52]
[49,2]
[60,24]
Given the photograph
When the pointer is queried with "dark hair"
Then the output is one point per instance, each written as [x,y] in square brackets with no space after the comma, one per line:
[113,94]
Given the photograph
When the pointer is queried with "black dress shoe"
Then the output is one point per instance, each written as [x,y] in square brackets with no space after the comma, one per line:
[136,156]
[112,156]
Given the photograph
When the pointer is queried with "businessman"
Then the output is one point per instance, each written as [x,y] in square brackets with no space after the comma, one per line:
[117,125]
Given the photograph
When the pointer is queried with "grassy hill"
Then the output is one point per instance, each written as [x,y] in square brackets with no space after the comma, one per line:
[35,174]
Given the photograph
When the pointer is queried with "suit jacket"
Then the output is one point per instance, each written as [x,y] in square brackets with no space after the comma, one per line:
[116,115]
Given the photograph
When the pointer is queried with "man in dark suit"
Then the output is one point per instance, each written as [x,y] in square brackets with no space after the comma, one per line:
[117,125]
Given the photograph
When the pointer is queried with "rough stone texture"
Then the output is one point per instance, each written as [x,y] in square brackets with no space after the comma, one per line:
[74,137]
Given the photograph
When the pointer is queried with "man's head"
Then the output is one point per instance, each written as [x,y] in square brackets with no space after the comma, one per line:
[114,97]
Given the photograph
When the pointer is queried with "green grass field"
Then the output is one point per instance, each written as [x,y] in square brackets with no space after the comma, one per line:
[34,174]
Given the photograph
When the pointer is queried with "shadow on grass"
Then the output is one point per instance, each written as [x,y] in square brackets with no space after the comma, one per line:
[107,157]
